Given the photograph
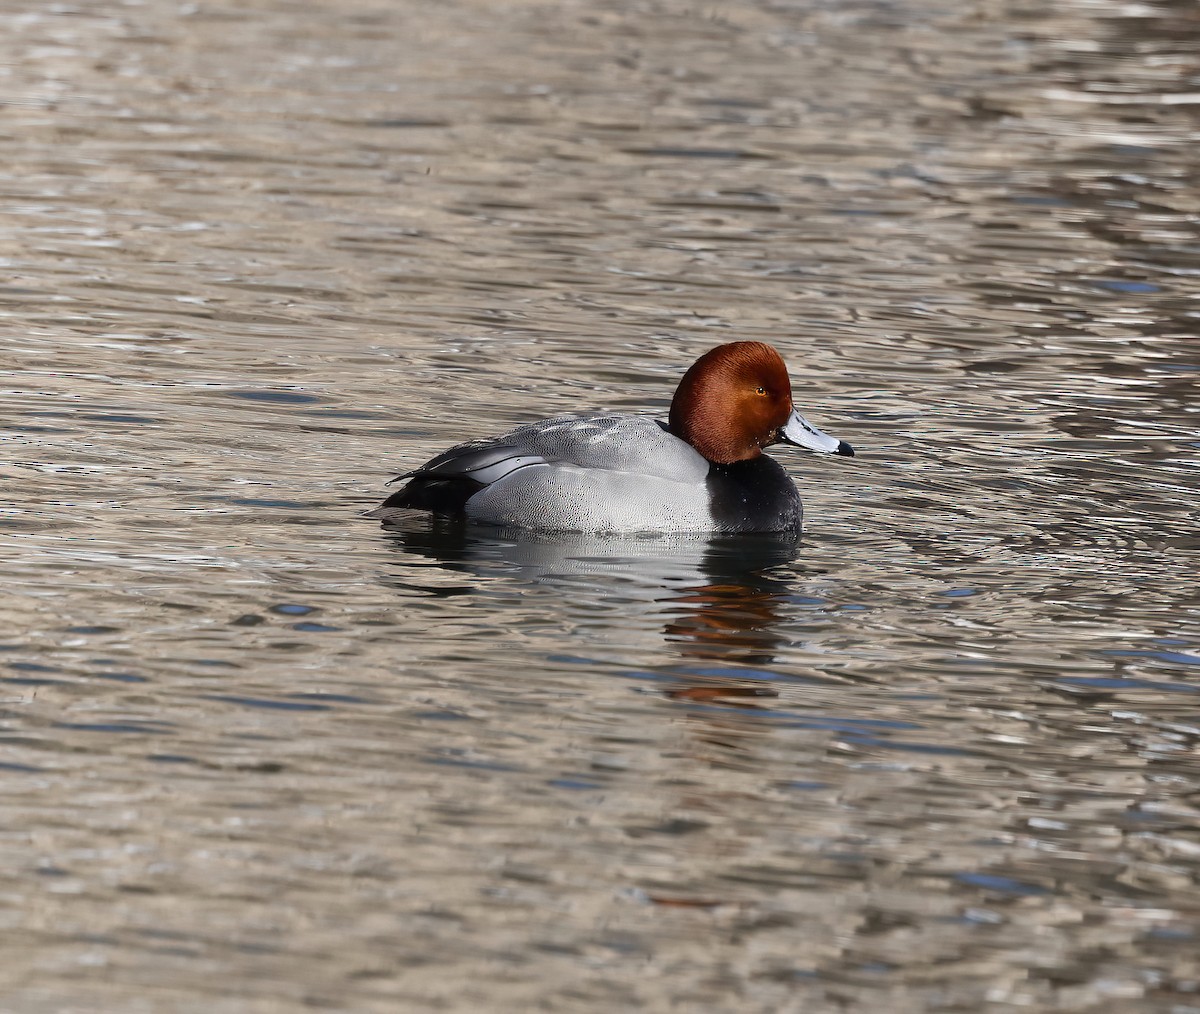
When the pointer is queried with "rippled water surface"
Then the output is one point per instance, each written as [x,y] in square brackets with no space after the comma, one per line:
[259,755]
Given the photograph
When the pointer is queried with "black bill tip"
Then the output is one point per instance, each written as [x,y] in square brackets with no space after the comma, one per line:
[845,448]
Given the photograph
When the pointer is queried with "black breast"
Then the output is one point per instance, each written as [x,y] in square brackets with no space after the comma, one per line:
[754,496]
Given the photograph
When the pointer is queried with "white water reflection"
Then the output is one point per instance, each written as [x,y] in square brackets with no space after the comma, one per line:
[704,596]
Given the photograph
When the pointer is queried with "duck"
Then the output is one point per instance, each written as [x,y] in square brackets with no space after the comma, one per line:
[702,470]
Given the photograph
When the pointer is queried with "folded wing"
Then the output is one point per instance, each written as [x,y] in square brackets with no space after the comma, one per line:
[629,446]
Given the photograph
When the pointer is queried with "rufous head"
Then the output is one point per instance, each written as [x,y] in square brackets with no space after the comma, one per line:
[737,399]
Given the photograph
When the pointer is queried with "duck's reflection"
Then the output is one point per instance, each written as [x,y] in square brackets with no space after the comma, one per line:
[716,598]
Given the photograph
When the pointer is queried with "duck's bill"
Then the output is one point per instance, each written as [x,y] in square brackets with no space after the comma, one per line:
[799,431]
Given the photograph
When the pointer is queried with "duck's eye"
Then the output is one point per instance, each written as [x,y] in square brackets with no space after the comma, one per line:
[760,390]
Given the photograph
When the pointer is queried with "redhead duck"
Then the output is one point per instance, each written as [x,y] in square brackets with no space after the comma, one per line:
[702,471]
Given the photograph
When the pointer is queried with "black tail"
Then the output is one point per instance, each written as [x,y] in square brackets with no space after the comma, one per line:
[430,493]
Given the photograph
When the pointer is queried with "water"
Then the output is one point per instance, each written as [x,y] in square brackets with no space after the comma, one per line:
[259,755]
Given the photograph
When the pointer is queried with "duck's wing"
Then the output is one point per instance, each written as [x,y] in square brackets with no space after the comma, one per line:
[482,461]
[446,482]
[636,445]
[633,444]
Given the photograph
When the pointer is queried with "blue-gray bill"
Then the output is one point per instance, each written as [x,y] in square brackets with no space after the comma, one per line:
[799,431]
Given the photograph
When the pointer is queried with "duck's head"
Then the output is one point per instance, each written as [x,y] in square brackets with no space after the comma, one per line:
[736,399]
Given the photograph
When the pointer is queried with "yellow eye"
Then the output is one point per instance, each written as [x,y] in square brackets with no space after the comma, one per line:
[760,390]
